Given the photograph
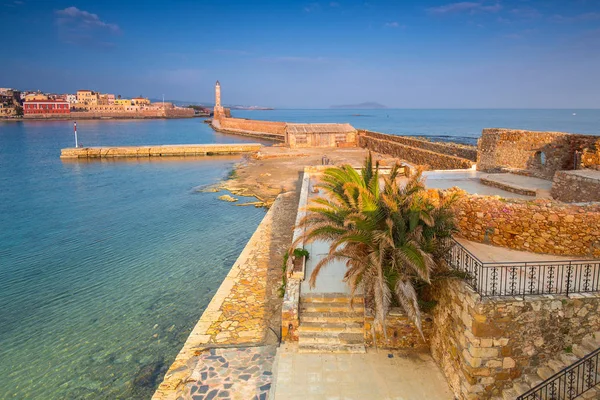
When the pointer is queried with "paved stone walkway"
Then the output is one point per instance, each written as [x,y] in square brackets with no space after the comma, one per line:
[243,373]
[468,181]
[376,375]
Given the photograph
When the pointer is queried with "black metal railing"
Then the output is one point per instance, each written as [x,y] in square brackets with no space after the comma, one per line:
[525,278]
[570,383]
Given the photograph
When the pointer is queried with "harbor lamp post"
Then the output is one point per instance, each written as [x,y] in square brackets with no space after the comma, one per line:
[75,130]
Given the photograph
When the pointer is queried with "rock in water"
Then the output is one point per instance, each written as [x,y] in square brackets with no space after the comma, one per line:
[228,198]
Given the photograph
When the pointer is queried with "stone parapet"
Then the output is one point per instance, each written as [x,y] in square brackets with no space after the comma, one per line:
[484,344]
[450,149]
[290,309]
[540,226]
[414,155]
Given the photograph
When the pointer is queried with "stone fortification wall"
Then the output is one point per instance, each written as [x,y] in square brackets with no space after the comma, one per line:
[576,186]
[151,113]
[540,226]
[239,124]
[450,149]
[482,345]
[414,155]
[541,154]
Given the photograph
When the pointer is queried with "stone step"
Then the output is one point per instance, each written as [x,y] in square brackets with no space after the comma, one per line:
[325,348]
[332,317]
[339,339]
[331,307]
[532,380]
[545,372]
[582,350]
[331,328]
[520,387]
[593,393]
[556,365]
[594,338]
[509,394]
[590,343]
[330,298]
[568,358]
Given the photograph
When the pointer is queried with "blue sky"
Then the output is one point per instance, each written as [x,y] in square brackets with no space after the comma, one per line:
[287,53]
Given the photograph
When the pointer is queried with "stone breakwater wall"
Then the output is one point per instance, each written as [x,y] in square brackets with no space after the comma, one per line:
[263,129]
[450,149]
[483,344]
[387,144]
[141,114]
[541,154]
[540,226]
[160,151]
[237,314]
[575,186]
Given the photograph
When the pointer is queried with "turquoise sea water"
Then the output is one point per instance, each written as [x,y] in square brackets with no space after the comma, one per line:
[105,266]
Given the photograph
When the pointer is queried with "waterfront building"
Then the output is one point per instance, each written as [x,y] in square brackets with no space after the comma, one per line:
[140,101]
[111,98]
[36,97]
[10,97]
[71,98]
[46,107]
[87,97]
[122,102]
[7,111]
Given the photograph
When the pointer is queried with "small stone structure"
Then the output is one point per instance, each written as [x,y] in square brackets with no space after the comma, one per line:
[538,154]
[421,152]
[320,135]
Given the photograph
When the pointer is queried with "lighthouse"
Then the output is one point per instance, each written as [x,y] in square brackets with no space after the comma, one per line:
[218,111]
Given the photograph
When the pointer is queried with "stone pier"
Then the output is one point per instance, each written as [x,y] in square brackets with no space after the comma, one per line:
[178,150]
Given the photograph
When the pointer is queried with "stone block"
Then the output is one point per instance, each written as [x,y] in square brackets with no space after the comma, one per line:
[482,352]
[508,362]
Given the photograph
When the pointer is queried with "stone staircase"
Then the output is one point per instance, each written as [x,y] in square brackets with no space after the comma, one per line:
[329,325]
[563,360]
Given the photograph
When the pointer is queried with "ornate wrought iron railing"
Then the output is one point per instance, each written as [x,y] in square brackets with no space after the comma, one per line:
[570,383]
[525,278]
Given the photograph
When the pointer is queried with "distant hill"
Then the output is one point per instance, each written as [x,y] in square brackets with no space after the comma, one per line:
[367,105]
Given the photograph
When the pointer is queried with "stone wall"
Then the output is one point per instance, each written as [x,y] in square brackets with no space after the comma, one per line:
[140,114]
[414,155]
[576,186]
[541,154]
[540,226]
[240,124]
[483,344]
[450,149]
[400,330]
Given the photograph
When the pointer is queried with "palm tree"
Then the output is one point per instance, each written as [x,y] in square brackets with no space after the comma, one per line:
[393,237]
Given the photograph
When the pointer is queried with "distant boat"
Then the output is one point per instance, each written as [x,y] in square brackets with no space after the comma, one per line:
[574,113]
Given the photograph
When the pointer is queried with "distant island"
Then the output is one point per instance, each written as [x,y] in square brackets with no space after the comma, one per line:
[371,105]
[250,108]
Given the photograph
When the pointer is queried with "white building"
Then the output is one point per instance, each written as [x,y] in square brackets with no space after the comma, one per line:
[71,98]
